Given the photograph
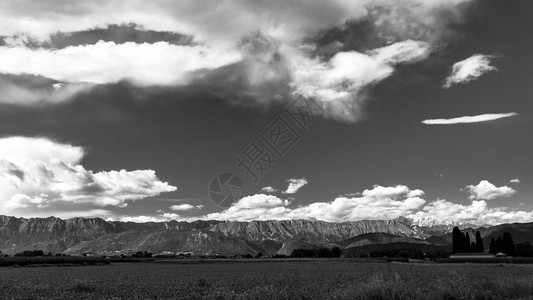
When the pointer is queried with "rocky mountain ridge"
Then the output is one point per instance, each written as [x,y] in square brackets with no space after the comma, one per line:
[95,235]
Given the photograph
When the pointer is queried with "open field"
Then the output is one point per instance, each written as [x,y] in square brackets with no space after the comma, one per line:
[321,279]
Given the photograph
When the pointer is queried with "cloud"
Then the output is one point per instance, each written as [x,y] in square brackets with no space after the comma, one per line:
[469,69]
[256,207]
[212,20]
[26,90]
[469,119]
[186,207]
[106,62]
[269,189]
[516,180]
[39,150]
[295,185]
[488,191]
[477,213]
[284,64]
[89,213]
[377,203]
[339,84]
[144,219]
[38,173]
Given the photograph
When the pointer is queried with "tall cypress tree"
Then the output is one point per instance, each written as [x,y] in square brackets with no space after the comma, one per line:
[508,244]
[466,243]
[499,244]
[492,246]
[479,243]
[456,240]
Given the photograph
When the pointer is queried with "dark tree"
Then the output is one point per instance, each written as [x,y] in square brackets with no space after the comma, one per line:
[141,254]
[468,245]
[524,249]
[508,244]
[457,238]
[473,247]
[461,242]
[336,252]
[492,246]
[503,244]
[323,252]
[499,244]
[29,253]
[479,243]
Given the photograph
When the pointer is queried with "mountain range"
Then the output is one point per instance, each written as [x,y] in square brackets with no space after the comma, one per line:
[77,236]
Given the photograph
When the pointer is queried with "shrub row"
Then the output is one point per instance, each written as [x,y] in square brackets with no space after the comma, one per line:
[51,260]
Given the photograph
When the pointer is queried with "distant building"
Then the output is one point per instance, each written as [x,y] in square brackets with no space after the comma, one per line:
[501,254]
[472,255]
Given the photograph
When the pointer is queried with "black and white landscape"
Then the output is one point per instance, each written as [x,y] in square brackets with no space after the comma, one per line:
[219,136]
[81,236]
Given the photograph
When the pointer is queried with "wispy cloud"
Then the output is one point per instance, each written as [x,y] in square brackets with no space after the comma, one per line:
[469,119]
[295,185]
[469,69]
[269,189]
[185,207]
[516,180]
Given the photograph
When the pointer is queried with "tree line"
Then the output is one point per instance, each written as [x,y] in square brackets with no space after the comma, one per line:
[461,242]
[504,243]
[319,252]
[409,253]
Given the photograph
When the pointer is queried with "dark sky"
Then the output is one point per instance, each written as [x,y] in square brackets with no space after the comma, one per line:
[189,133]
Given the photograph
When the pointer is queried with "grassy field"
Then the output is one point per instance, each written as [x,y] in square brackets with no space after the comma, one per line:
[323,279]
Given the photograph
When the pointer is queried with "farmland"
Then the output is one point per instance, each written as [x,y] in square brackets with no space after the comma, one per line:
[320,279]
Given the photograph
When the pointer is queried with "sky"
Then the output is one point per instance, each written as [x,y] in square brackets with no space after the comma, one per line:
[267,110]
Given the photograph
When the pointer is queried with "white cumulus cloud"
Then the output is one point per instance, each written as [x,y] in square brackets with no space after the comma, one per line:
[469,69]
[256,207]
[377,203]
[477,213]
[488,191]
[41,173]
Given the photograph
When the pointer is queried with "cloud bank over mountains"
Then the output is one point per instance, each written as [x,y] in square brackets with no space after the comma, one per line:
[39,176]
[381,203]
